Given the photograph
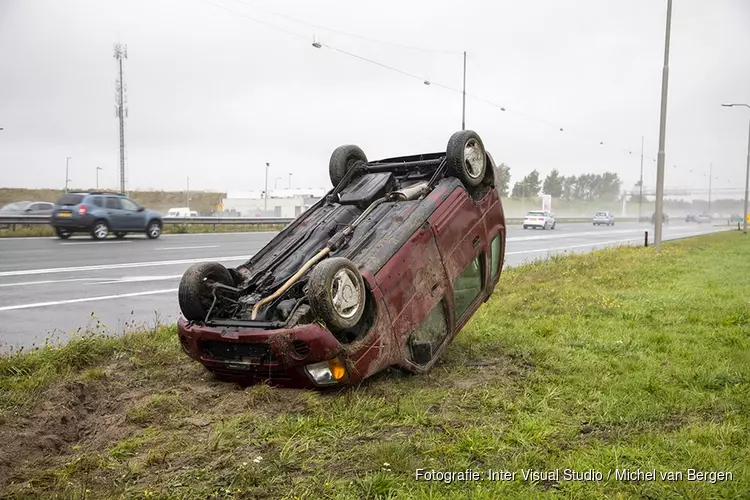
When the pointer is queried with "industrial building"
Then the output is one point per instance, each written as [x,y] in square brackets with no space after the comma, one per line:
[280,202]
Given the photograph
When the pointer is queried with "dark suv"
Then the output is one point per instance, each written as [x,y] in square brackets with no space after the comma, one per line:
[101,214]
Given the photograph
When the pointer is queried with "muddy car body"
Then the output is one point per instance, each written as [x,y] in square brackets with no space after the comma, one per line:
[383,271]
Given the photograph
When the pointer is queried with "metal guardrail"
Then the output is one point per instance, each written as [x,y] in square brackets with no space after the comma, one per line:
[253,221]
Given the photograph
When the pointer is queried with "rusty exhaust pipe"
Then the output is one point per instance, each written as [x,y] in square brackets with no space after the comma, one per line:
[410,193]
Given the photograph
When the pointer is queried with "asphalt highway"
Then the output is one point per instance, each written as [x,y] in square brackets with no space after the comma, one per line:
[50,288]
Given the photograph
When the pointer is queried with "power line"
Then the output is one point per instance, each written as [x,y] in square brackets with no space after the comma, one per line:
[406,73]
[351,35]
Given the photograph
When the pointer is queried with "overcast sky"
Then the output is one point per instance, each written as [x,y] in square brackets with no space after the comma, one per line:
[213,94]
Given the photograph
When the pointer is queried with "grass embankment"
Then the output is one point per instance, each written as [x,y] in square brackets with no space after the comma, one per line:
[618,359]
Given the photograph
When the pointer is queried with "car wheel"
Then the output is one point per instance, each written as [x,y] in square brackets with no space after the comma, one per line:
[343,159]
[336,291]
[525,227]
[100,230]
[466,158]
[194,293]
[63,234]
[153,230]
[554,224]
[120,234]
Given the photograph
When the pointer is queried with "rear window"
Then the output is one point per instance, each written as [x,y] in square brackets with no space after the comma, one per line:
[603,214]
[70,199]
[536,214]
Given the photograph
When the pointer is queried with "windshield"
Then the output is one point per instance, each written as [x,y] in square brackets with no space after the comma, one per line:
[15,207]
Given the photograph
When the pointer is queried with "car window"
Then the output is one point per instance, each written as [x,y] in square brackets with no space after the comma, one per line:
[70,199]
[113,203]
[468,286]
[98,201]
[495,256]
[128,204]
[536,214]
[427,338]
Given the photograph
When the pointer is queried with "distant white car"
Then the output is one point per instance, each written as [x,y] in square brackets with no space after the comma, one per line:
[604,218]
[181,212]
[539,219]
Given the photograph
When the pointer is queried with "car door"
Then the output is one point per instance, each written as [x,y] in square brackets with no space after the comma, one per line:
[117,218]
[135,218]
[460,234]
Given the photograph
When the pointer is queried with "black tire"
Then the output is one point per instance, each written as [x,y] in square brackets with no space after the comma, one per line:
[100,230]
[322,287]
[120,234]
[153,229]
[553,225]
[343,159]
[193,294]
[62,233]
[525,227]
[470,170]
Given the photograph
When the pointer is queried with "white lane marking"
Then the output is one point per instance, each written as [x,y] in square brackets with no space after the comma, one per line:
[85,299]
[133,279]
[635,240]
[186,248]
[592,233]
[536,250]
[127,265]
[105,242]
[47,282]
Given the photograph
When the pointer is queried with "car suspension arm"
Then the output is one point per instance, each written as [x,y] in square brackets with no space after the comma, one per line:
[333,244]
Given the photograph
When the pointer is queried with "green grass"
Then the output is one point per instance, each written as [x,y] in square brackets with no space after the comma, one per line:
[618,359]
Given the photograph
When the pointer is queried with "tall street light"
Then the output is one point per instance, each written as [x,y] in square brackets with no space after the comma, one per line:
[265,193]
[747,168]
[97,177]
[640,195]
[290,180]
[67,165]
[662,135]
[463,105]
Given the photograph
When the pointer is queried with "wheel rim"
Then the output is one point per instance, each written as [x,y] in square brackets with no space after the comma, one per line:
[345,293]
[473,158]
[154,230]
[101,231]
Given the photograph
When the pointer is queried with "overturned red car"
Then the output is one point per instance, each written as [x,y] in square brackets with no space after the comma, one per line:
[382,272]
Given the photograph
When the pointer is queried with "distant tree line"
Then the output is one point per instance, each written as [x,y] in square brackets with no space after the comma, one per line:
[604,186]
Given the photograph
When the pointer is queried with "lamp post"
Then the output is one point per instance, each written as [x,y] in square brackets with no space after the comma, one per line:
[187,194]
[265,193]
[97,177]
[662,135]
[463,92]
[640,195]
[67,164]
[290,180]
[747,168]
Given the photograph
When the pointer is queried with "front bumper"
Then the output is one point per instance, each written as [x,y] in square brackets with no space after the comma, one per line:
[249,356]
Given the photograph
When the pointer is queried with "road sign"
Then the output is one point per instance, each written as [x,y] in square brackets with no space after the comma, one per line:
[547,202]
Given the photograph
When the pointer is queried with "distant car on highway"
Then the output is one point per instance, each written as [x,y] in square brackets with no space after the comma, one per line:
[27,208]
[664,218]
[604,218]
[539,219]
[691,218]
[703,219]
[181,212]
[101,214]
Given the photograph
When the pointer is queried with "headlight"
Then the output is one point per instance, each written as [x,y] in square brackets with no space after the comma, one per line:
[326,372]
